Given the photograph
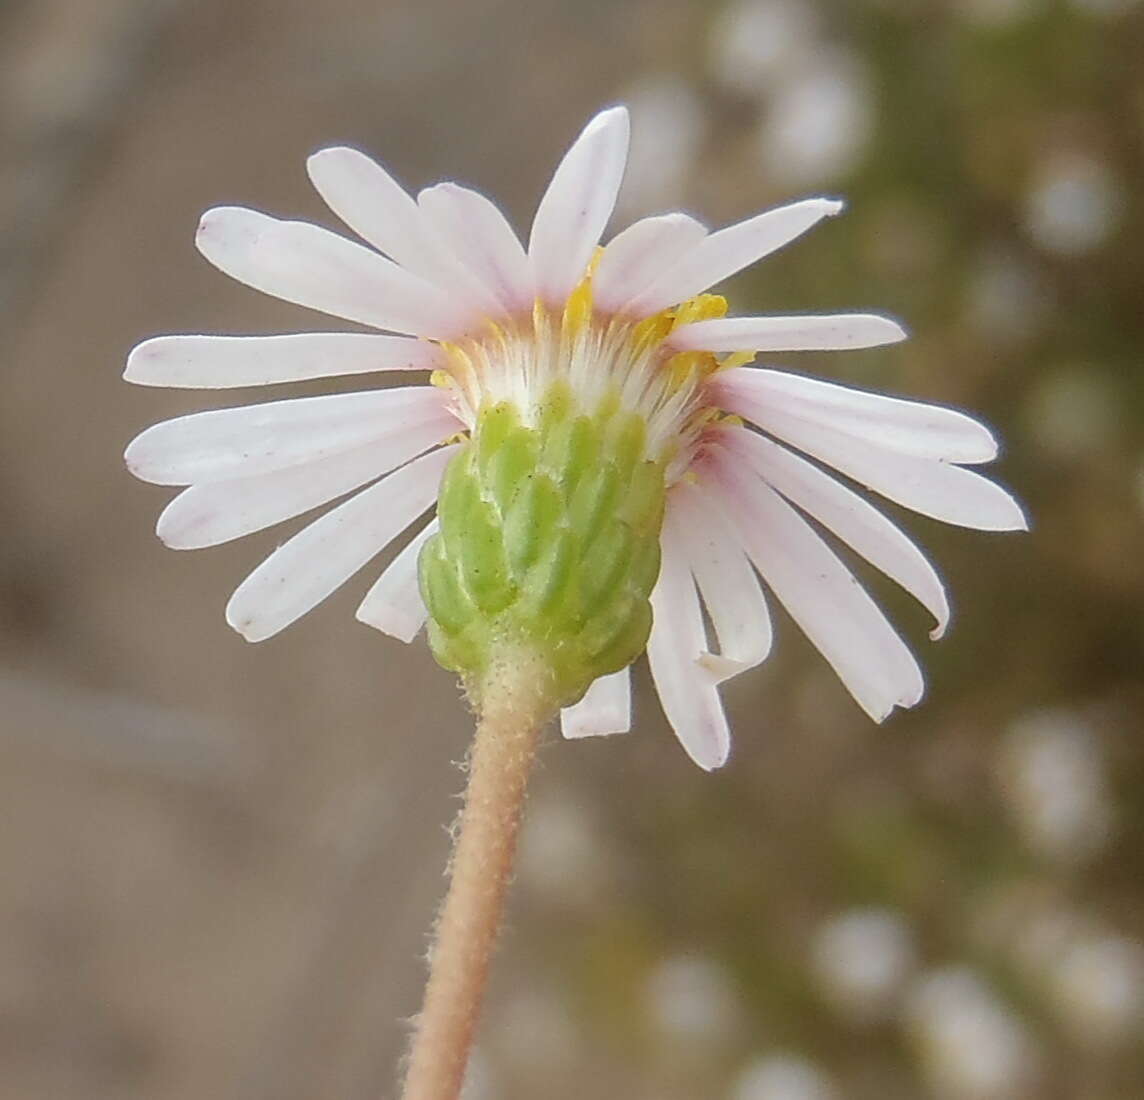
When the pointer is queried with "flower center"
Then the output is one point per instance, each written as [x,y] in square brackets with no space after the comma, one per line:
[550,515]
[605,363]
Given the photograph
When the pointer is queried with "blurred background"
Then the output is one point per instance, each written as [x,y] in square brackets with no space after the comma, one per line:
[219,861]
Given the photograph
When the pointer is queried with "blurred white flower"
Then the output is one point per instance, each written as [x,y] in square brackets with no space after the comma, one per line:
[755,43]
[818,122]
[1074,411]
[1005,301]
[1097,989]
[668,123]
[560,854]
[783,1077]
[1051,774]
[1073,203]
[861,959]
[689,1000]
[1092,979]
[970,1045]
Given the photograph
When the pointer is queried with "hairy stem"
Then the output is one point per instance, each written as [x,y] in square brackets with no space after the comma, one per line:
[513,707]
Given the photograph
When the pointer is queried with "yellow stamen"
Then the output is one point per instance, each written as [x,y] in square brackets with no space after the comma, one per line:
[737,359]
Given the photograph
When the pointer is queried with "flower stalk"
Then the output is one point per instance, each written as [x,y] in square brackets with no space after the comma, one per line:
[513,702]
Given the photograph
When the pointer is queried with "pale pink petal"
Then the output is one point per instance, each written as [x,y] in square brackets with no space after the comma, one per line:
[729,250]
[218,511]
[811,332]
[252,439]
[606,708]
[675,649]
[323,556]
[727,583]
[225,362]
[394,604]
[820,593]
[371,202]
[312,267]
[928,431]
[938,489]
[477,233]
[635,258]
[855,521]
[577,205]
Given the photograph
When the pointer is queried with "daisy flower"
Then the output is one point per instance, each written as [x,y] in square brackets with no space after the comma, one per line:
[609,473]
[616,463]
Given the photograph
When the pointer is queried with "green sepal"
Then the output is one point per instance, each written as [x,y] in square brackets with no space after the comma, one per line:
[549,543]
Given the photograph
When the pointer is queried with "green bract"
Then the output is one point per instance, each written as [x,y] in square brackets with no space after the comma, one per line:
[549,544]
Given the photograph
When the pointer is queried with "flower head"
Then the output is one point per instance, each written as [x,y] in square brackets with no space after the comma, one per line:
[604,460]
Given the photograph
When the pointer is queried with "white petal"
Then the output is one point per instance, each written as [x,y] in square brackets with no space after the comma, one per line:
[224,362]
[675,649]
[394,604]
[312,267]
[812,332]
[635,258]
[949,493]
[928,431]
[371,202]
[854,520]
[218,511]
[479,236]
[577,205]
[251,439]
[821,594]
[729,250]
[606,708]
[323,556]
[727,583]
